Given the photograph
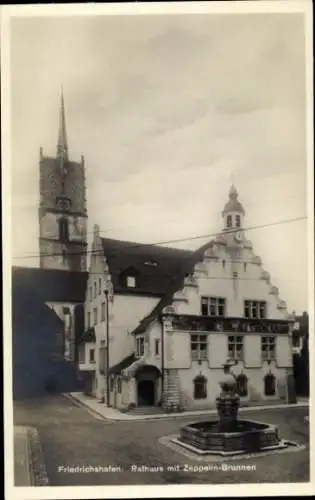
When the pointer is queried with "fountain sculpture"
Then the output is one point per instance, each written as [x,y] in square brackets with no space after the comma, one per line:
[229,435]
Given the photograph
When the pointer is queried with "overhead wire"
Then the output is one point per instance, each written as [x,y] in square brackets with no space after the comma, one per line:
[160,243]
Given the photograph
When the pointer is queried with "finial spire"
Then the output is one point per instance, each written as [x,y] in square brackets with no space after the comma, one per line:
[233,192]
[62,146]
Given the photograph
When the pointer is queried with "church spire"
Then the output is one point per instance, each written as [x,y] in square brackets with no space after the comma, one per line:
[62,145]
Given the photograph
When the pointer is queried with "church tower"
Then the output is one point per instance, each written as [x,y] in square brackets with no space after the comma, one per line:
[62,207]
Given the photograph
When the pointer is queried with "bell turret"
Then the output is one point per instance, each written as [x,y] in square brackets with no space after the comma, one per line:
[233,212]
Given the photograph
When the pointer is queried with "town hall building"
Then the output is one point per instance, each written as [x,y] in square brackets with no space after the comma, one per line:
[167,321]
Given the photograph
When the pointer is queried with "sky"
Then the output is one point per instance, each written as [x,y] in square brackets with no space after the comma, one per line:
[168,111]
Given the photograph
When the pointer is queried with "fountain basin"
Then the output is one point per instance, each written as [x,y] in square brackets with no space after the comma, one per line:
[247,437]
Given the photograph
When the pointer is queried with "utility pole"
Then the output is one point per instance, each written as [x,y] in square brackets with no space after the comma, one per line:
[107,347]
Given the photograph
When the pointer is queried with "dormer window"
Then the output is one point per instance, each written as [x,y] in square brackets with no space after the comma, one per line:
[131,281]
[151,263]
[129,278]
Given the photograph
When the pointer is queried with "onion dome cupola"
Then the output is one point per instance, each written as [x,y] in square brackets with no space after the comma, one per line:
[233,212]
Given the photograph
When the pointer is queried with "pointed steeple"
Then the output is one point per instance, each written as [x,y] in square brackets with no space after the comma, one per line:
[62,145]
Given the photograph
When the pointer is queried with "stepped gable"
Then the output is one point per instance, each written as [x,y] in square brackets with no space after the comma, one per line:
[52,285]
[155,266]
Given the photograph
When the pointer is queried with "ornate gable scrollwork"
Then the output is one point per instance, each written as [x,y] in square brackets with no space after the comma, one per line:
[201,269]
[265,276]
[211,253]
[248,244]
[169,310]
[180,295]
[220,240]
[168,323]
[282,304]
[190,280]
[274,290]
[257,260]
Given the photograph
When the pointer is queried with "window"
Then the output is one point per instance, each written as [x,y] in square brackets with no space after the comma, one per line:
[157,347]
[131,281]
[88,319]
[111,384]
[229,221]
[255,309]
[223,264]
[119,385]
[63,230]
[140,346]
[103,311]
[95,315]
[82,354]
[198,346]
[94,290]
[101,359]
[92,356]
[213,306]
[245,266]
[235,347]
[99,286]
[90,293]
[200,387]
[238,220]
[295,340]
[68,321]
[270,385]
[241,386]
[268,348]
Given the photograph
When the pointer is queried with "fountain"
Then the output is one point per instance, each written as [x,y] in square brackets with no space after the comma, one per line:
[229,435]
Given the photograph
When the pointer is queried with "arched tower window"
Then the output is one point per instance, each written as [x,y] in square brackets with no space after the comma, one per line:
[200,387]
[242,385]
[63,230]
[229,221]
[270,385]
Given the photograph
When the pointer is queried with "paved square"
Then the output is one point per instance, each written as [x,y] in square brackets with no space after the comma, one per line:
[82,450]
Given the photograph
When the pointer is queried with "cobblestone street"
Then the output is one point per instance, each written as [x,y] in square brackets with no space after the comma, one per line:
[72,436]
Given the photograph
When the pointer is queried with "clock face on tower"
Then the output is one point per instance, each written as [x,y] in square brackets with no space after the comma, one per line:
[238,237]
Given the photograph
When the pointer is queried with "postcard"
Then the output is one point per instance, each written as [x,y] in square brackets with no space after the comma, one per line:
[158,249]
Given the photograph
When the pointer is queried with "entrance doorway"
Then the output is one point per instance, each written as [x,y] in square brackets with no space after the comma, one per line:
[146,393]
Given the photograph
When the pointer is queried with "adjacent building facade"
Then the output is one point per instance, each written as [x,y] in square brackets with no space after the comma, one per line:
[165,322]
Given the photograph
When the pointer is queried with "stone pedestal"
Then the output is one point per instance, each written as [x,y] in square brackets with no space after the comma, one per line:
[228,403]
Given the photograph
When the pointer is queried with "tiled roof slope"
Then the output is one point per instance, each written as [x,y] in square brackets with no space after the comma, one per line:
[122,365]
[155,267]
[187,268]
[53,285]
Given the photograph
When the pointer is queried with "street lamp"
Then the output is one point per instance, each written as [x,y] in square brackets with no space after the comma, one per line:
[107,346]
